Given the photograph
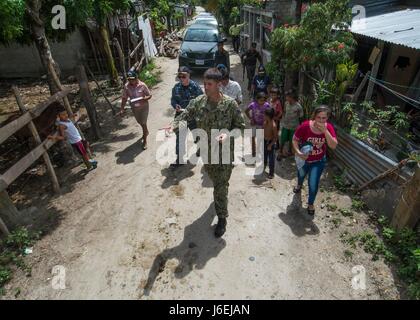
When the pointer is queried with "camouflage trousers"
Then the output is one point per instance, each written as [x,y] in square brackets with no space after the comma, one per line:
[220,175]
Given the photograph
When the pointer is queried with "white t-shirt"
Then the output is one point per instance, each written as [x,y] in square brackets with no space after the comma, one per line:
[71,132]
[233,90]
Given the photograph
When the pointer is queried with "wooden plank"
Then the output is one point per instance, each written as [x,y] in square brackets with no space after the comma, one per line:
[375,69]
[100,89]
[35,134]
[136,48]
[23,164]
[36,112]
[10,128]
[3,228]
[360,88]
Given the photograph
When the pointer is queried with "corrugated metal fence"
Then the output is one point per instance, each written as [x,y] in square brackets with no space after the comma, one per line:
[361,162]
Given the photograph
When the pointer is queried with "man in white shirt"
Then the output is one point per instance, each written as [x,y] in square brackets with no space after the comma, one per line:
[231,88]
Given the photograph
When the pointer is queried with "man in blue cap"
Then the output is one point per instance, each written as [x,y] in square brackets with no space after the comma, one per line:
[182,93]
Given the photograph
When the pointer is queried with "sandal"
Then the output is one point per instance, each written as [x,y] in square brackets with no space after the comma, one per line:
[297,189]
[311,212]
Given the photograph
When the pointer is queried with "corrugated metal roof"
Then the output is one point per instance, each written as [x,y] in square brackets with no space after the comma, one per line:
[400,27]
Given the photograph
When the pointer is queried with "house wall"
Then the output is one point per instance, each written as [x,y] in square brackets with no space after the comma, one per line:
[376,7]
[401,77]
[18,61]
[284,9]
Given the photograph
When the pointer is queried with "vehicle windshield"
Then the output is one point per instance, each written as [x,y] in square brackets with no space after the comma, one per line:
[200,35]
[206,21]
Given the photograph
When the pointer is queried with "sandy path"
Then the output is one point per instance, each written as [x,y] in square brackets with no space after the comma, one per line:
[131,211]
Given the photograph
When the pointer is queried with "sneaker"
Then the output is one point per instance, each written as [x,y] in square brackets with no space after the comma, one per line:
[311,212]
[94,163]
[220,227]
[270,176]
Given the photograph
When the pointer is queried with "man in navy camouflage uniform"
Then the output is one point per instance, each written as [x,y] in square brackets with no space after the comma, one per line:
[182,93]
[215,111]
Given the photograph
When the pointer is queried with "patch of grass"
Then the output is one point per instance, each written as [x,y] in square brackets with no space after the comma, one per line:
[150,75]
[340,182]
[348,254]
[331,207]
[12,250]
[399,247]
[357,205]
[337,222]
[346,212]
[5,275]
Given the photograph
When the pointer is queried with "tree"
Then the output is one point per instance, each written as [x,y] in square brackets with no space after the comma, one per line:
[27,21]
[228,10]
[318,43]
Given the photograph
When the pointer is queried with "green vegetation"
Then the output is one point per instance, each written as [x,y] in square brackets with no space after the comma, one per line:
[340,182]
[12,251]
[150,75]
[399,247]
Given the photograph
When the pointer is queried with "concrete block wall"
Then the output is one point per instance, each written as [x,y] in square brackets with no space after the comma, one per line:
[18,61]
[284,9]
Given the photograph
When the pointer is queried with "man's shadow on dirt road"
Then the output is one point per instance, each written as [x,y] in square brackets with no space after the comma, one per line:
[295,219]
[196,249]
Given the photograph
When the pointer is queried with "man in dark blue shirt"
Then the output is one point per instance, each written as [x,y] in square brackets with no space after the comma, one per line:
[221,56]
[182,93]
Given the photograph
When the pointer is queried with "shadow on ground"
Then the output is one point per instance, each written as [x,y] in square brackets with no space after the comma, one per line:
[130,153]
[173,176]
[297,220]
[196,249]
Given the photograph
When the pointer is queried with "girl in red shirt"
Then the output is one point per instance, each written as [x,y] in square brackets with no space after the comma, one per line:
[319,133]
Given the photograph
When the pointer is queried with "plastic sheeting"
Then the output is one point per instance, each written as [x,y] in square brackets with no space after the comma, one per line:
[149,45]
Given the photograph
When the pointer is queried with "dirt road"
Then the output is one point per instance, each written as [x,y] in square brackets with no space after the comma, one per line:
[122,222]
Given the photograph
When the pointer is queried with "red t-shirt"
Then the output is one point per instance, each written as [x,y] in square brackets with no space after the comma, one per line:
[304,133]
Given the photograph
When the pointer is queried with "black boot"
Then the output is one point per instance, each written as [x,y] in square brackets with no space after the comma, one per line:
[220,227]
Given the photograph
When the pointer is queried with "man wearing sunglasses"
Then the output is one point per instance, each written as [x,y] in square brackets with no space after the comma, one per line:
[182,93]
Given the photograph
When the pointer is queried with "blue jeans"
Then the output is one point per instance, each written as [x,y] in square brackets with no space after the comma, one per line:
[314,171]
[269,156]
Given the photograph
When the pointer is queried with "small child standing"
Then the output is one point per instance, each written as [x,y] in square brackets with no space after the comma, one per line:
[270,139]
[292,116]
[68,131]
[255,113]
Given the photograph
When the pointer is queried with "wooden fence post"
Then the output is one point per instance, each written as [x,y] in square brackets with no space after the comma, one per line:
[121,58]
[8,214]
[360,87]
[87,99]
[35,134]
[407,213]
[375,69]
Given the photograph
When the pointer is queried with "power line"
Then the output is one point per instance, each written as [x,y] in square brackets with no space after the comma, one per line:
[397,85]
[399,95]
